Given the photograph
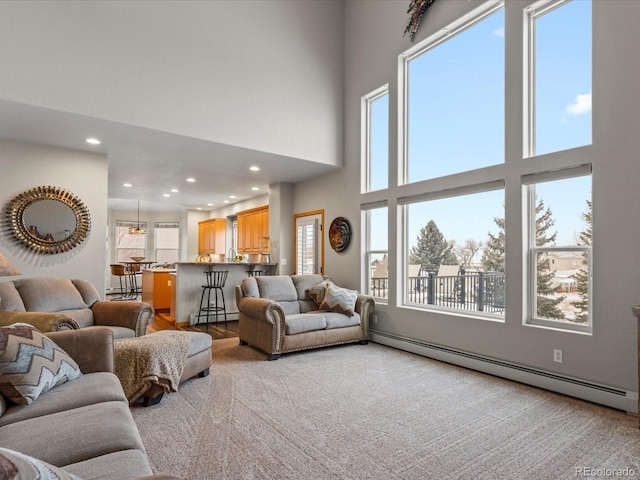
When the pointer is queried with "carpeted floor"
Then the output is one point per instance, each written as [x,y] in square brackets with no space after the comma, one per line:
[372,412]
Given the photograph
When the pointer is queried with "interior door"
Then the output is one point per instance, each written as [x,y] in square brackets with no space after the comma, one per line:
[309,243]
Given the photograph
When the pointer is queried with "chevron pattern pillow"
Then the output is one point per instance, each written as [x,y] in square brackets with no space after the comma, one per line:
[31,364]
[318,291]
[338,299]
[17,465]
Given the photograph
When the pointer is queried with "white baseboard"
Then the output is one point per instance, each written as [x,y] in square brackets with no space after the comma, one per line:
[604,395]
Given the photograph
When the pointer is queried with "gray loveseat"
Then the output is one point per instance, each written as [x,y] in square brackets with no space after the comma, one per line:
[70,304]
[83,426]
[278,315]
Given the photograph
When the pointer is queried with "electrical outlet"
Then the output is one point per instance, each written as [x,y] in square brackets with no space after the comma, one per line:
[557,356]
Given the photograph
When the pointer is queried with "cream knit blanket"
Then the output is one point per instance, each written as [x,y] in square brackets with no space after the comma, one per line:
[150,359]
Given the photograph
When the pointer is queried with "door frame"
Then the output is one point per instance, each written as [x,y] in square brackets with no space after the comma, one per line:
[295,237]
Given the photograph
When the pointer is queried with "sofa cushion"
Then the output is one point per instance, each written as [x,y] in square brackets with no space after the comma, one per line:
[279,288]
[338,299]
[31,364]
[49,294]
[250,287]
[10,300]
[88,292]
[29,468]
[304,322]
[86,432]
[3,405]
[124,464]
[83,316]
[340,320]
[86,390]
[304,282]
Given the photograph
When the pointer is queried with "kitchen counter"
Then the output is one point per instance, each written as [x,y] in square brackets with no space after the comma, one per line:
[189,278]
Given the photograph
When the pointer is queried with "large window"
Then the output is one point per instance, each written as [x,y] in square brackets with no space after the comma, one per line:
[377,253]
[455,100]
[375,152]
[455,253]
[560,66]
[128,245]
[167,238]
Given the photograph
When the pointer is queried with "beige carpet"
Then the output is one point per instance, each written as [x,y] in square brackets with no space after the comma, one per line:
[372,412]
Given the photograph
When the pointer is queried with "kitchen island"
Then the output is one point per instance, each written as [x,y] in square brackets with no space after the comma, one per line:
[190,277]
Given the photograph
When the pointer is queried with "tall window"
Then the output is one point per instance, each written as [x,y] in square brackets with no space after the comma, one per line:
[377,253]
[560,75]
[560,231]
[128,245]
[455,253]
[167,237]
[375,152]
[309,242]
[455,100]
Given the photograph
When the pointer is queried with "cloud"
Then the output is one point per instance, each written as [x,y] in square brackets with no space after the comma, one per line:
[581,105]
[499,32]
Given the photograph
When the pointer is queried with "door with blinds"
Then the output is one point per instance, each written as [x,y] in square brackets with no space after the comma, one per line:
[309,254]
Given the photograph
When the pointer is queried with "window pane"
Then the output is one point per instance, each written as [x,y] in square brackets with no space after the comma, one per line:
[562,247]
[456,253]
[563,78]
[455,103]
[379,143]
[167,237]
[377,253]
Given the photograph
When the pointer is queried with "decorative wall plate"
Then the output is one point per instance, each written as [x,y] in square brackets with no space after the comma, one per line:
[340,234]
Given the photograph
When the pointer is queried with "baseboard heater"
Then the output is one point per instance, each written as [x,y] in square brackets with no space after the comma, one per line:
[592,392]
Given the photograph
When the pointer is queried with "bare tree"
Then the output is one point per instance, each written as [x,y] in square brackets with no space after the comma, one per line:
[467,251]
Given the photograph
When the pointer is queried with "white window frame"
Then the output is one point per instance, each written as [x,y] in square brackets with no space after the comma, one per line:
[160,225]
[368,252]
[366,137]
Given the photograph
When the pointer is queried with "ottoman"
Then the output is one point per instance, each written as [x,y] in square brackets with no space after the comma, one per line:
[197,363]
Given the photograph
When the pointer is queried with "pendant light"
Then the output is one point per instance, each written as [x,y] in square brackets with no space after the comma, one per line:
[138,230]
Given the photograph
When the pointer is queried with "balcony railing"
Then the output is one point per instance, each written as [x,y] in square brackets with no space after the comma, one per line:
[473,291]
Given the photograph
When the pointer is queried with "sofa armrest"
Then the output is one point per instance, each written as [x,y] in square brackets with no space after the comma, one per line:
[91,348]
[261,309]
[43,321]
[130,314]
[365,305]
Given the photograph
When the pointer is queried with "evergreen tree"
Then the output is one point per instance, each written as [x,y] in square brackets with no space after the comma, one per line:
[493,254]
[432,249]
[582,275]
[547,307]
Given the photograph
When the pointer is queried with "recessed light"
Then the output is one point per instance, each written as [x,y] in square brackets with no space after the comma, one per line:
[93,141]
[225,201]
[175,190]
[198,208]
[232,196]
[254,169]
[191,180]
[209,204]
[166,195]
[128,185]
[255,189]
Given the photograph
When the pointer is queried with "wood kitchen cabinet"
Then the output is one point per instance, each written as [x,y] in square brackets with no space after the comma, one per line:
[156,288]
[252,226]
[211,236]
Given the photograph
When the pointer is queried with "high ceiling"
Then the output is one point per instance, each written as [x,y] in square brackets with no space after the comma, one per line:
[155,162]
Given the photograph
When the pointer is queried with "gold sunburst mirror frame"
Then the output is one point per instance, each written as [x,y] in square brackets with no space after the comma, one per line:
[15,217]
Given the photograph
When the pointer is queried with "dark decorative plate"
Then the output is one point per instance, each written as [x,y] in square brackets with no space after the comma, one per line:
[340,234]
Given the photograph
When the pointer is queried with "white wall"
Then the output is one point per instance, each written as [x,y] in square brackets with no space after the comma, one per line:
[25,166]
[261,75]
[609,356]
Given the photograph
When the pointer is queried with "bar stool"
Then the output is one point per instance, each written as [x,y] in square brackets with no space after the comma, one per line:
[256,273]
[120,271]
[215,282]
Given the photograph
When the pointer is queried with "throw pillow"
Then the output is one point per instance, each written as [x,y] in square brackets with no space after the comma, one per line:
[317,291]
[31,364]
[337,299]
[16,465]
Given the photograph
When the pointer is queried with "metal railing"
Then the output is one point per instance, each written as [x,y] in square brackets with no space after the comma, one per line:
[473,291]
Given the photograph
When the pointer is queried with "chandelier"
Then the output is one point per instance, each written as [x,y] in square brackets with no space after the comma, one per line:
[138,230]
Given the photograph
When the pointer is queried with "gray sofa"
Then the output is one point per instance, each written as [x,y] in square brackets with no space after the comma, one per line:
[70,304]
[83,426]
[277,315]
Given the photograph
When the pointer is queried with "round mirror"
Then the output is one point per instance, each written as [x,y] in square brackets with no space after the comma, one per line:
[48,219]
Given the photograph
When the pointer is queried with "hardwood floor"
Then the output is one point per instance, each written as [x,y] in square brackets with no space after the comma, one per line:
[164,321]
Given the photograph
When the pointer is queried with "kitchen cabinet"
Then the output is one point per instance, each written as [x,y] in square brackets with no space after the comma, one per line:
[211,236]
[253,224]
[156,288]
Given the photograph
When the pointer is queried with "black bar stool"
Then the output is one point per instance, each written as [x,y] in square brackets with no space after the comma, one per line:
[215,282]
[256,273]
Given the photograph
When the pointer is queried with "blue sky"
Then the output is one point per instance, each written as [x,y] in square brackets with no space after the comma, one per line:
[456,120]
